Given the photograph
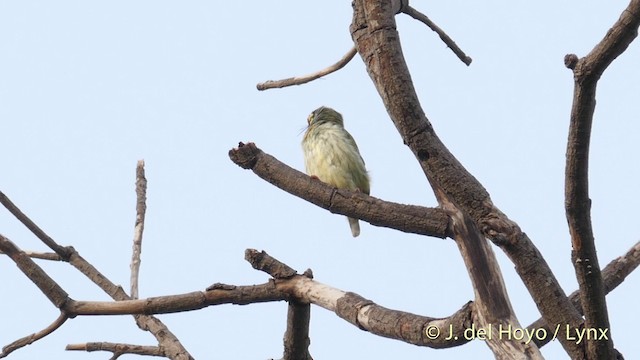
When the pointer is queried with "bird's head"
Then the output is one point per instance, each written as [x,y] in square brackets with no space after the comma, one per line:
[323,115]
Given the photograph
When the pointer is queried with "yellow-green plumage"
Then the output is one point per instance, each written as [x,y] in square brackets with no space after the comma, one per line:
[331,154]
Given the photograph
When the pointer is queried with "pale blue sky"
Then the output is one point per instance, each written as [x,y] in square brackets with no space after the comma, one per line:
[89,88]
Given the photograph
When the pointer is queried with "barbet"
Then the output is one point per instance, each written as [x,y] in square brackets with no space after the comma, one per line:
[331,155]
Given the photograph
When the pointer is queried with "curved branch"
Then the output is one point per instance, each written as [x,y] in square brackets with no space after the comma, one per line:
[374,32]
[587,71]
[443,36]
[368,316]
[30,339]
[299,80]
[407,218]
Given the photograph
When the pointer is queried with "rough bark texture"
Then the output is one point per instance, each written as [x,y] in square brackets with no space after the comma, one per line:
[373,30]
[587,71]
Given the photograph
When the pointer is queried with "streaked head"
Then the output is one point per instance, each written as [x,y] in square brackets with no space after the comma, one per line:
[324,114]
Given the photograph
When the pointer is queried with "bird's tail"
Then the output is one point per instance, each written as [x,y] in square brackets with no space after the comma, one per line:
[355,227]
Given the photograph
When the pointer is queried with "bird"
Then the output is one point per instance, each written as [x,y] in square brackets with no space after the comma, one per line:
[332,156]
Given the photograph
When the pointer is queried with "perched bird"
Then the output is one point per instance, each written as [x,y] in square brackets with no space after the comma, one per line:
[331,155]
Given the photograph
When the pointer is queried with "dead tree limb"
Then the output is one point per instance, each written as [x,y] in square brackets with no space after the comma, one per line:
[117,349]
[166,339]
[141,210]
[443,35]
[407,218]
[299,80]
[587,71]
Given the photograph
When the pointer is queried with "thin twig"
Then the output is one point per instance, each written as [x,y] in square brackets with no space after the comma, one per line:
[41,255]
[141,209]
[35,229]
[447,40]
[299,80]
[30,339]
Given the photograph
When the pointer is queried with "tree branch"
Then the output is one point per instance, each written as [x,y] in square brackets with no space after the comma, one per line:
[58,297]
[166,339]
[296,337]
[141,209]
[41,255]
[407,218]
[35,229]
[117,349]
[366,315]
[612,276]
[299,80]
[374,32]
[443,36]
[30,339]
[493,308]
[587,71]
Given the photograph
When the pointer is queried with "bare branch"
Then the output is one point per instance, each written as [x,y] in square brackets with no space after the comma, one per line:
[58,297]
[296,337]
[374,32]
[587,71]
[41,255]
[612,276]
[141,209]
[35,229]
[166,339]
[117,349]
[493,308]
[368,316]
[443,36]
[217,294]
[407,218]
[30,339]
[272,84]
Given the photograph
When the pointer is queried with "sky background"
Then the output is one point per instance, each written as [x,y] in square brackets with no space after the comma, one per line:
[87,88]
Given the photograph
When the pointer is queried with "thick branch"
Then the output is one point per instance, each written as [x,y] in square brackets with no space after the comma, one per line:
[299,80]
[58,297]
[407,218]
[493,308]
[296,337]
[612,276]
[587,71]
[374,32]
